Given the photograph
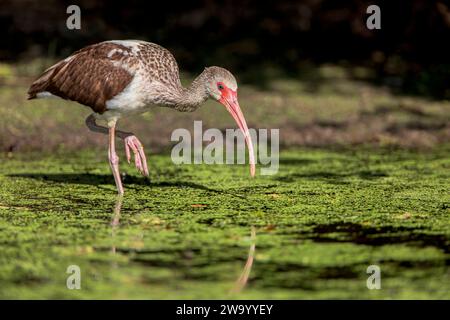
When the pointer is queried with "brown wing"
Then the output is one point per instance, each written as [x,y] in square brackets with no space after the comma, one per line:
[91,76]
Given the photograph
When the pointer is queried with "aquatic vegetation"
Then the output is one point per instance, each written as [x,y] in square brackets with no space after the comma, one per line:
[186,232]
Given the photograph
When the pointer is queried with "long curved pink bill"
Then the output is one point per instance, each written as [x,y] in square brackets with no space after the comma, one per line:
[235,110]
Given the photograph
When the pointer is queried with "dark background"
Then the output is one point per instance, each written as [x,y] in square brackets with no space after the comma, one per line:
[410,52]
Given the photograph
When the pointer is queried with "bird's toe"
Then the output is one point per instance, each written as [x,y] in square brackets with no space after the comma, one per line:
[140,160]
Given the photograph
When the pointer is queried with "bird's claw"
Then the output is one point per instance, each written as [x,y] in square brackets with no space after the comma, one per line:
[131,142]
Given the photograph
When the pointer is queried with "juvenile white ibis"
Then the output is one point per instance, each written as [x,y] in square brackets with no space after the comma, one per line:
[123,77]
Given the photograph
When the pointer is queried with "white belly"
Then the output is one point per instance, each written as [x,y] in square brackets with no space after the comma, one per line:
[132,98]
[131,101]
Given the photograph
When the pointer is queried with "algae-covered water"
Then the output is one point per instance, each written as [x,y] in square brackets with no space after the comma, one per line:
[187,231]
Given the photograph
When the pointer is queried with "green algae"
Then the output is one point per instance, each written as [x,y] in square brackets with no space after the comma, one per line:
[185,232]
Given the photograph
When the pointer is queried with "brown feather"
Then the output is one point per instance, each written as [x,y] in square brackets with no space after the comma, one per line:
[89,76]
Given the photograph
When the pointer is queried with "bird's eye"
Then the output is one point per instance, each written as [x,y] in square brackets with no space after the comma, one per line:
[220,86]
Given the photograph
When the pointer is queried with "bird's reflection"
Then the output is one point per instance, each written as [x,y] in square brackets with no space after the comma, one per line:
[115,221]
[241,282]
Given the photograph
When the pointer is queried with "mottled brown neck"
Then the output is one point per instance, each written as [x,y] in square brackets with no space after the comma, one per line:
[192,97]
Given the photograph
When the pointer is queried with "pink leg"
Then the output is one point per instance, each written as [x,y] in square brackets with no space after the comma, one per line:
[131,142]
[114,159]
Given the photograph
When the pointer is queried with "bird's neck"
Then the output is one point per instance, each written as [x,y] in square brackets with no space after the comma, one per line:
[192,97]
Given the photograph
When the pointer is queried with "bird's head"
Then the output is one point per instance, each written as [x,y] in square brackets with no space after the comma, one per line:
[222,87]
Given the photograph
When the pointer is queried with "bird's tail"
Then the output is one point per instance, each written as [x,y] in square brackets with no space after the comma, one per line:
[42,83]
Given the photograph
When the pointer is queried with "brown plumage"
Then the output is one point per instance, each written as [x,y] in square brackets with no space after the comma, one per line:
[97,73]
[81,77]
[121,77]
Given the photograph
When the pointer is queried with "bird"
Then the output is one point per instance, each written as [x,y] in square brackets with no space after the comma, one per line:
[119,78]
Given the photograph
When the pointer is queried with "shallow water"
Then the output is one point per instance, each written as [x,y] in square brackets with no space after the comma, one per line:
[187,231]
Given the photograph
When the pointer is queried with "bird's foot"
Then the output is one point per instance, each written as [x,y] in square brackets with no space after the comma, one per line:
[131,142]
